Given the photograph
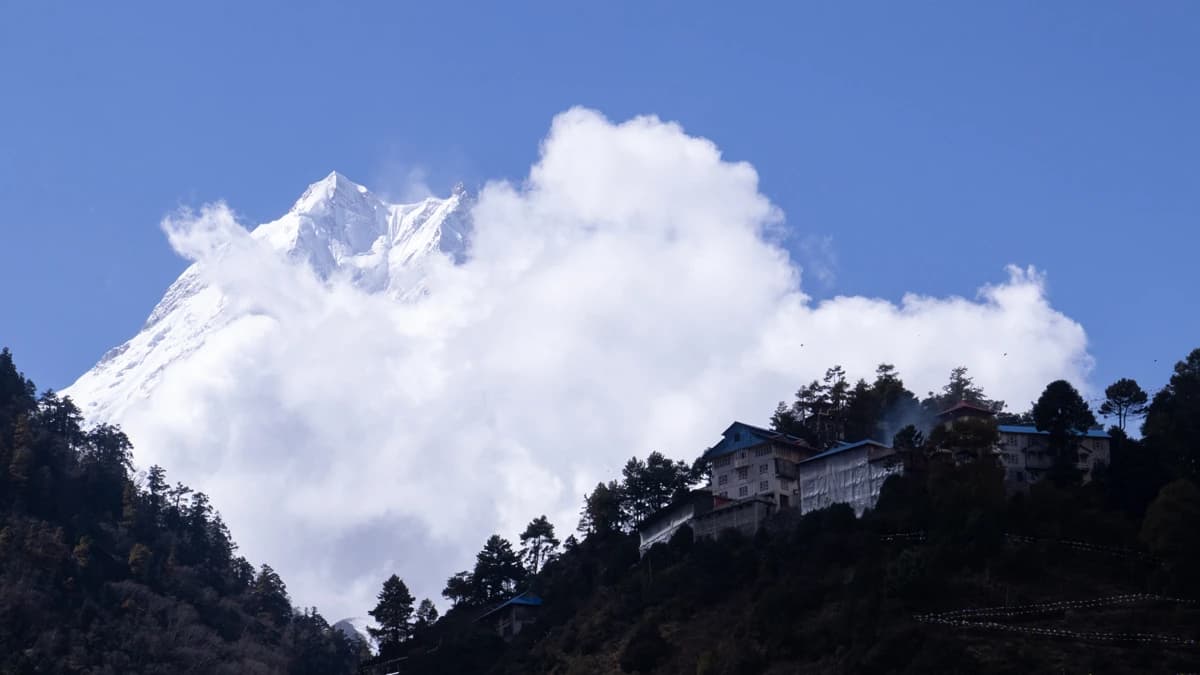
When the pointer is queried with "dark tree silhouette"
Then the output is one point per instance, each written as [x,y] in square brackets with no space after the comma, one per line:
[1124,399]
[1064,415]
[393,613]
[538,544]
[1172,426]
[497,570]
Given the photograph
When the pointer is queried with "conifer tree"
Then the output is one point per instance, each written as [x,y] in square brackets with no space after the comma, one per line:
[460,589]
[1064,415]
[393,613]
[497,570]
[426,615]
[601,514]
[1124,399]
[270,597]
[538,543]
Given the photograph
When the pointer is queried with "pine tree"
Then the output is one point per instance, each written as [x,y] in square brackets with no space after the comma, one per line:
[1124,399]
[497,570]
[393,613]
[270,597]
[1172,426]
[427,615]
[601,514]
[460,589]
[538,544]
[1062,412]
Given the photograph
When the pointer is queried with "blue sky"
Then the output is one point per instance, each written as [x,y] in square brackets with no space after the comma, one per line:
[933,142]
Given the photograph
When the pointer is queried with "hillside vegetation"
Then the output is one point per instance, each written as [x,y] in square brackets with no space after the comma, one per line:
[105,572]
[949,573]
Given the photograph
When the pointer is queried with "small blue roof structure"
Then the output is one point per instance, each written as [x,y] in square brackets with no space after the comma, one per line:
[1030,429]
[844,447]
[525,599]
[740,435]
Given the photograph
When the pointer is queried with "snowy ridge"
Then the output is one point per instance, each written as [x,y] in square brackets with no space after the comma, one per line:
[337,227]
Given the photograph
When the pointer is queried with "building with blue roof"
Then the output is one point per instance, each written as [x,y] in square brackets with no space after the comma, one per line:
[512,615]
[1024,451]
[753,462]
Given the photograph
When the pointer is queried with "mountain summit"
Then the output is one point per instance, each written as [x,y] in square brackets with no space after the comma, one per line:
[338,228]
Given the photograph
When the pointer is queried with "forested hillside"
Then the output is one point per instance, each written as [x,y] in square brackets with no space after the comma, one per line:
[950,572]
[105,572]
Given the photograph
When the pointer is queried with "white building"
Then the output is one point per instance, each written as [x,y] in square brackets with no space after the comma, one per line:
[1025,454]
[851,473]
[752,462]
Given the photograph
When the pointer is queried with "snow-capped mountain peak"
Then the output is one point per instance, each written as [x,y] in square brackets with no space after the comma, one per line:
[337,227]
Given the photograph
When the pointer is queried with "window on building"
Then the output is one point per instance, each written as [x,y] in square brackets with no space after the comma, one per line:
[743,491]
[723,479]
[762,468]
[763,451]
[763,485]
[743,472]
[724,493]
[737,435]
[722,461]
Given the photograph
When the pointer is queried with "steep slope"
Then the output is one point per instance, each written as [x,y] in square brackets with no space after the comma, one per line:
[337,227]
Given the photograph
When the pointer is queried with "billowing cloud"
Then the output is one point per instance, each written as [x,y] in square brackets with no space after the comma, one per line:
[626,297]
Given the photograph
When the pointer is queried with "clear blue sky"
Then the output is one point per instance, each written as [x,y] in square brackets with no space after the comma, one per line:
[935,142]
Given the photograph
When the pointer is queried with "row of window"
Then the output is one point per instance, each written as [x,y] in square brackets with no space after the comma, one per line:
[743,473]
[744,490]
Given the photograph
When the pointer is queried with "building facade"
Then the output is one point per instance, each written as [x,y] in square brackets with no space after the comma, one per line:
[1024,451]
[851,473]
[513,615]
[1025,454]
[750,461]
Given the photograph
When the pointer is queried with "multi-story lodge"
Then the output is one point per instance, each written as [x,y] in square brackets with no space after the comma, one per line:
[1024,451]
[750,461]
[756,472]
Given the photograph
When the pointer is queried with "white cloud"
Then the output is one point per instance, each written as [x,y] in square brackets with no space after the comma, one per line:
[624,298]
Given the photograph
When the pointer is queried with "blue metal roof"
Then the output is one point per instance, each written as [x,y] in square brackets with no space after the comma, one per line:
[843,447]
[754,436]
[524,599]
[1030,429]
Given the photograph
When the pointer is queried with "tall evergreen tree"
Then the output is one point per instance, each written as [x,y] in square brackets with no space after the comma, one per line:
[1064,415]
[1172,426]
[538,544]
[601,514]
[460,589]
[1124,399]
[393,613]
[426,615]
[270,597]
[651,485]
[497,570]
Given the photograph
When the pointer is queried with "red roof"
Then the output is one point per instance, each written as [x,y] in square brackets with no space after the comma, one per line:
[966,405]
